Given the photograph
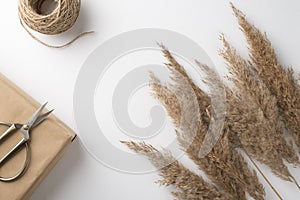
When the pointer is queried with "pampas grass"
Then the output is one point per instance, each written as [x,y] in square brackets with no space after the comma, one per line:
[264,100]
[188,184]
[224,166]
[263,138]
[280,81]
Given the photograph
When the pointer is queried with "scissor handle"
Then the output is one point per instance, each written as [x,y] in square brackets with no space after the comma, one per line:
[12,127]
[24,141]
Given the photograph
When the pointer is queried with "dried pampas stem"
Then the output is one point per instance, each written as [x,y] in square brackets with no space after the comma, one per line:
[295,181]
[263,175]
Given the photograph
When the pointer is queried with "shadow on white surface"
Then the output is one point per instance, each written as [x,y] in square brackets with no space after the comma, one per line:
[61,173]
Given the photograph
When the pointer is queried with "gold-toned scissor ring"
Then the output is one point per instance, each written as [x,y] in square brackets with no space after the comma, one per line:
[26,163]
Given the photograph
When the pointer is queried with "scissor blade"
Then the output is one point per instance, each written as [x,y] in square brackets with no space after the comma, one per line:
[35,116]
[41,118]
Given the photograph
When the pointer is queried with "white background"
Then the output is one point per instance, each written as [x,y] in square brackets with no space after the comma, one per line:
[50,74]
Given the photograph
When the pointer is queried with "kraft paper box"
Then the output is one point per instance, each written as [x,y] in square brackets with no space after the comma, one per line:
[48,142]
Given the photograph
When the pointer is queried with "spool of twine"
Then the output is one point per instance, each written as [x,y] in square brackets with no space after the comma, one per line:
[61,19]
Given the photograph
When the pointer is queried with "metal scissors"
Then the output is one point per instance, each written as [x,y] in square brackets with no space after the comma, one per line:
[25,129]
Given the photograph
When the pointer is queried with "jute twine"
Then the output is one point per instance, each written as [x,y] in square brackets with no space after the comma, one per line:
[61,19]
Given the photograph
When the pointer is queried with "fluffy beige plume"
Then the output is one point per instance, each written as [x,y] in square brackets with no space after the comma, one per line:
[280,81]
[223,165]
[263,136]
[188,184]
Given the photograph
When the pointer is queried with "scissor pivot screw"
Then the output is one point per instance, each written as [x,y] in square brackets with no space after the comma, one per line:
[26,127]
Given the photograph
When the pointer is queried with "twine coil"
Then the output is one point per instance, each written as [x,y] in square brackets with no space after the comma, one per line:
[61,19]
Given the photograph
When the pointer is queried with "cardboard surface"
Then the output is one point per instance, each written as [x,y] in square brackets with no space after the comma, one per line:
[48,142]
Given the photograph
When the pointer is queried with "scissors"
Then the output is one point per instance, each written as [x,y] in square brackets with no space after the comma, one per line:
[25,129]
